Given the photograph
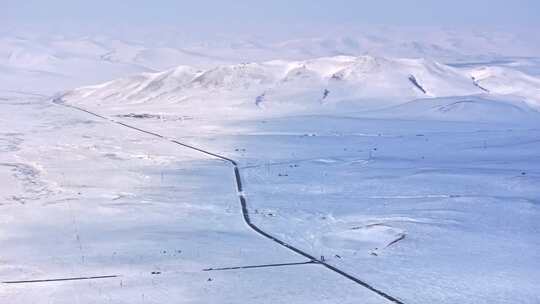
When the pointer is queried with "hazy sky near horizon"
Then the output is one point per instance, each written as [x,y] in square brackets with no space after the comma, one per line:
[238,15]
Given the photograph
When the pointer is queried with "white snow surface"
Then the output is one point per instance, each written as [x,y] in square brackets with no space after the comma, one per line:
[415,168]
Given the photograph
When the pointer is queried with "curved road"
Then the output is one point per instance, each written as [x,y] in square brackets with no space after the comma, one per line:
[243,202]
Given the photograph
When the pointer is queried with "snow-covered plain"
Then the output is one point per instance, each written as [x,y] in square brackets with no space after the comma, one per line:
[85,198]
[417,176]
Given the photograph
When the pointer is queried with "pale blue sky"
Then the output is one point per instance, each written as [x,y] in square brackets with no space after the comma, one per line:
[239,14]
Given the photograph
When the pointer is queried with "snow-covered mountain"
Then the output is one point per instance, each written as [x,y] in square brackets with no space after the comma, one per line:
[317,83]
[36,61]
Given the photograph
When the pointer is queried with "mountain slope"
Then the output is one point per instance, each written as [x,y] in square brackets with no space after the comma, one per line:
[297,84]
[481,108]
[505,81]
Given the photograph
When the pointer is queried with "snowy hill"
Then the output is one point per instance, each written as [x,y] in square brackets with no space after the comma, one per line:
[506,81]
[300,84]
[37,61]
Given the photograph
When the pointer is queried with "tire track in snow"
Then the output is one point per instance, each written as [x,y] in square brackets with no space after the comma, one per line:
[259,266]
[61,279]
[243,202]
